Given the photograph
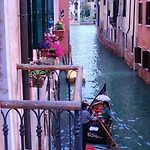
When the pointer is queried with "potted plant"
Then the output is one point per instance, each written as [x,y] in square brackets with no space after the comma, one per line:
[43,48]
[37,78]
[59,30]
[50,48]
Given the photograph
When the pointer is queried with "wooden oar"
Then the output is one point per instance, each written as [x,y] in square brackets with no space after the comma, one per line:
[109,134]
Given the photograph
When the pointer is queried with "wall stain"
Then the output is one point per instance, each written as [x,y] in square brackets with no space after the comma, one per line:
[4,91]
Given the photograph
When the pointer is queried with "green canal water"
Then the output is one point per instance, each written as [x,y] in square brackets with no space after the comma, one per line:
[130,95]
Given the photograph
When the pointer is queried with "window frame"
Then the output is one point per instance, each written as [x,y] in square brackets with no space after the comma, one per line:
[124,7]
[140,15]
[147,13]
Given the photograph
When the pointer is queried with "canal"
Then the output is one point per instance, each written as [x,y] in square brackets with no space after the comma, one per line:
[130,95]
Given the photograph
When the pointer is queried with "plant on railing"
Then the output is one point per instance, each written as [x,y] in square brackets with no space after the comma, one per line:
[59,30]
[37,78]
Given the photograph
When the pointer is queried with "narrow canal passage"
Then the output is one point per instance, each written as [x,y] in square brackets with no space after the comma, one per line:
[130,95]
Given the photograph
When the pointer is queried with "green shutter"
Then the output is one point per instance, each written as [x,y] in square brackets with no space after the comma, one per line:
[41,11]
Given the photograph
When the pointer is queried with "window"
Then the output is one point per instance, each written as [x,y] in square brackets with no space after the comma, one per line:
[140,13]
[76,16]
[115,35]
[137,55]
[148,13]
[124,8]
[145,59]
[104,2]
[149,61]
[126,41]
[76,5]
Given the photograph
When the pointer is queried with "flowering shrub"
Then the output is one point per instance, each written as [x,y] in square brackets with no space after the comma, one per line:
[57,47]
[45,44]
[51,44]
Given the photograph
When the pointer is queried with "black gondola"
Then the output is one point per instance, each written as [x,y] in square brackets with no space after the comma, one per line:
[100,132]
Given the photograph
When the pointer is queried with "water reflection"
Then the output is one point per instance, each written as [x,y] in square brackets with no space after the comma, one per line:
[130,95]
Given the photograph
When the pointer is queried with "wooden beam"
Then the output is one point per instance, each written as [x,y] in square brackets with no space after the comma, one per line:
[34,104]
[46,67]
[77,96]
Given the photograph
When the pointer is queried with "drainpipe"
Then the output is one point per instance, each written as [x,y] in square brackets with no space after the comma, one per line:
[107,19]
[129,18]
[24,28]
[133,27]
[30,29]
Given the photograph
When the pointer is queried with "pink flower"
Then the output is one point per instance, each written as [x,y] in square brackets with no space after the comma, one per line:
[58,48]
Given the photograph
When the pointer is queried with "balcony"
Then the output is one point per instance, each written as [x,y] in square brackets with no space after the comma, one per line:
[51,120]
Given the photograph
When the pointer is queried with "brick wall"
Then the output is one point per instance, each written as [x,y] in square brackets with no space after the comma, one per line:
[129,58]
[113,47]
[128,55]
[144,74]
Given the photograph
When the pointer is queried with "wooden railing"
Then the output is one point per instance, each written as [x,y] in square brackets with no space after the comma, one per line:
[52,111]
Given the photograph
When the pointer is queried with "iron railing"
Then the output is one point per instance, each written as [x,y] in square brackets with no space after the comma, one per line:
[51,124]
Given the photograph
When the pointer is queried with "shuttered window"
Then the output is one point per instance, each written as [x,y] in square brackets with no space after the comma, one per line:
[140,13]
[148,13]
[41,12]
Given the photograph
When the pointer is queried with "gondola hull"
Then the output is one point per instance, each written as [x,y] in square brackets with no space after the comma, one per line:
[97,134]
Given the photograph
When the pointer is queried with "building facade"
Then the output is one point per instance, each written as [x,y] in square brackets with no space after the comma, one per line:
[63,13]
[142,51]
[22,27]
[120,26]
[10,55]
[74,11]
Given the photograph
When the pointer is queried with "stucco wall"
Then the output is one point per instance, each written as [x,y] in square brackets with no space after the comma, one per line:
[9,57]
[143,30]
[64,5]
[9,49]
[56,10]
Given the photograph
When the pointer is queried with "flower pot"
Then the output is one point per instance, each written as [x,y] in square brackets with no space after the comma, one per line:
[44,53]
[33,82]
[60,34]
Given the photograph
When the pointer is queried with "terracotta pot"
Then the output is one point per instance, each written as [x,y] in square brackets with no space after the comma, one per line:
[60,34]
[44,53]
[33,82]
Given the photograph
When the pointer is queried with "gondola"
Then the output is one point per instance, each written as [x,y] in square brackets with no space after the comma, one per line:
[100,133]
